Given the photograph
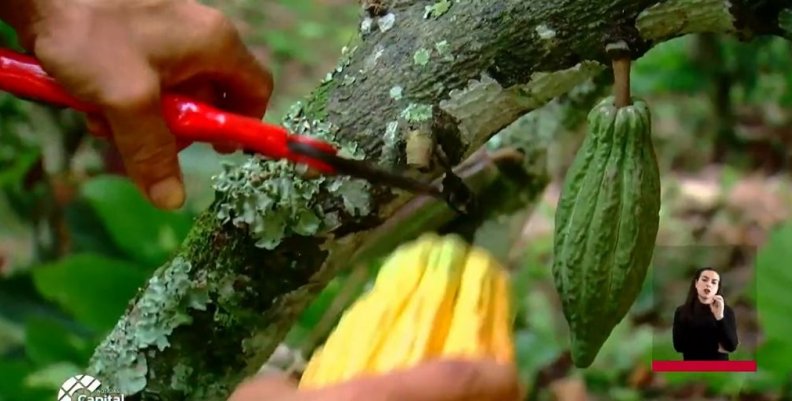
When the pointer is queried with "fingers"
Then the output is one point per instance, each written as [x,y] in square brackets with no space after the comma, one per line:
[432,381]
[132,56]
[133,111]
[262,388]
[246,84]
[202,89]
[98,126]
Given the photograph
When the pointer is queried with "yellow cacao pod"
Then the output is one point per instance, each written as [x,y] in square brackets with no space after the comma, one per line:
[434,297]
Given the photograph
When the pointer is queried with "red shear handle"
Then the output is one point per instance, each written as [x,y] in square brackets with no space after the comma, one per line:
[22,76]
[189,120]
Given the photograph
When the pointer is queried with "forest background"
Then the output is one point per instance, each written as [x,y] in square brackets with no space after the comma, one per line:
[76,241]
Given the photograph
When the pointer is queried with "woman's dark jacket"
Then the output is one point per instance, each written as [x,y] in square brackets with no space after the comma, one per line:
[697,333]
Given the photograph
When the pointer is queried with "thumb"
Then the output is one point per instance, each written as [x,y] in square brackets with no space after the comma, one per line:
[439,380]
[133,112]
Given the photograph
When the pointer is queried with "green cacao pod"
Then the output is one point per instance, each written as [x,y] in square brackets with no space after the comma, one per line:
[606,224]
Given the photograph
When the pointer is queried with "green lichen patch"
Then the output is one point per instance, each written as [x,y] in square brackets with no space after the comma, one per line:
[444,50]
[162,307]
[222,282]
[421,57]
[415,113]
[370,62]
[356,195]
[545,32]
[120,361]
[347,53]
[273,201]
[677,17]
[348,80]
[484,105]
[386,22]
[396,92]
[317,104]
[365,25]
[118,364]
[391,142]
[343,62]
[269,198]
[180,380]
[437,9]
[547,85]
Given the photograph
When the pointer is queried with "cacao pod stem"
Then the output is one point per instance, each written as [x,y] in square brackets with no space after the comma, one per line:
[620,56]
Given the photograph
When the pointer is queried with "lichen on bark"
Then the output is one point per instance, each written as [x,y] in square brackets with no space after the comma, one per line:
[272,239]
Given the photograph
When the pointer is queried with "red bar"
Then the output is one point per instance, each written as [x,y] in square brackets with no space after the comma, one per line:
[704,366]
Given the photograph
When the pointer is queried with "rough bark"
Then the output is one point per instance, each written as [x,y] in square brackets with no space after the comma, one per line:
[458,71]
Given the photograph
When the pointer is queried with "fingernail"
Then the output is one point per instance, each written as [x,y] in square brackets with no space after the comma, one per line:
[167,194]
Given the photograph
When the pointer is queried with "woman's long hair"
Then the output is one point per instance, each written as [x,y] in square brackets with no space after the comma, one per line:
[688,308]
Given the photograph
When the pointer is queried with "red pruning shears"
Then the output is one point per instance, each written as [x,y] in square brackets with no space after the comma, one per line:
[192,121]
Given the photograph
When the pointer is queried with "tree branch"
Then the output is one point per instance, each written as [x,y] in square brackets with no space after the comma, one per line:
[457,71]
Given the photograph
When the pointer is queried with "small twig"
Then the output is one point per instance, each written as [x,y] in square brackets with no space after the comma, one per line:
[621,59]
[382,239]
[419,149]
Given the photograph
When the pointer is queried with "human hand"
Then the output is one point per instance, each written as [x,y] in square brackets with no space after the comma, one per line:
[431,381]
[121,54]
[721,349]
[717,307]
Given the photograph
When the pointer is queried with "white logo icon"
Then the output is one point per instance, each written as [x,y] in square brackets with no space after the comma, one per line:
[76,383]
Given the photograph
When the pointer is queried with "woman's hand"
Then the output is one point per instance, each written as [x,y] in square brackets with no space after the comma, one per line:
[717,307]
[121,54]
[431,381]
[721,349]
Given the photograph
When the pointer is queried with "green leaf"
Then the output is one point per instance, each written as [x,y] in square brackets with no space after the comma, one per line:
[625,345]
[52,376]
[145,233]
[624,394]
[8,37]
[774,356]
[11,335]
[785,22]
[13,171]
[541,344]
[13,386]
[47,341]
[87,231]
[720,382]
[773,279]
[533,352]
[93,288]
[13,374]
[667,68]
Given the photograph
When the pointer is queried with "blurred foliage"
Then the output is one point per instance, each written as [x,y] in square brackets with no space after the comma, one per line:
[299,40]
[77,240]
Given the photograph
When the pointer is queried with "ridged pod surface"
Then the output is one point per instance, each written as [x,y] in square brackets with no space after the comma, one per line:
[434,297]
[606,224]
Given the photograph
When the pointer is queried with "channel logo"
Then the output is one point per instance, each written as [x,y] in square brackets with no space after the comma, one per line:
[75,383]
[84,388]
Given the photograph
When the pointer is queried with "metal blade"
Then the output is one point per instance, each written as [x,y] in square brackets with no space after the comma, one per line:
[365,170]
